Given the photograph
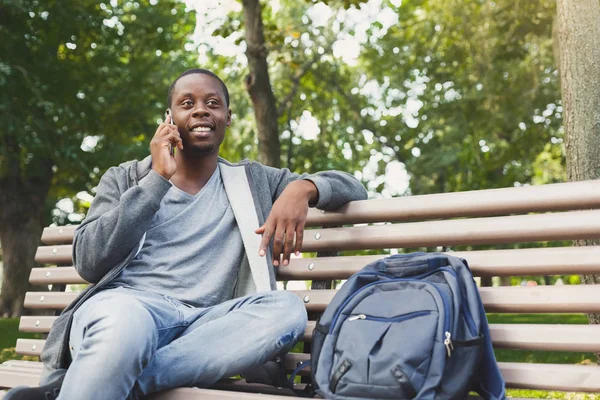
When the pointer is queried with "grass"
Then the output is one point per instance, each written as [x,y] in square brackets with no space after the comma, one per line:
[9,334]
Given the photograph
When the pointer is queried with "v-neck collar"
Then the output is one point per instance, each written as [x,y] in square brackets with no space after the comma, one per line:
[216,173]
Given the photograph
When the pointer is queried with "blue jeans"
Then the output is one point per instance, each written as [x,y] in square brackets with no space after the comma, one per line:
[127,343]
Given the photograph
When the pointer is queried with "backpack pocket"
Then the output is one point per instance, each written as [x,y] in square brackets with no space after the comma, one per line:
[461,369]
[383,357]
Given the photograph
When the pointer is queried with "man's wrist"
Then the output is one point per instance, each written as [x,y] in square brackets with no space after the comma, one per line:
[310,190]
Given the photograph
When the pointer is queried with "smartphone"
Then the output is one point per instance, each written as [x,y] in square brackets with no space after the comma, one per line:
[168,114]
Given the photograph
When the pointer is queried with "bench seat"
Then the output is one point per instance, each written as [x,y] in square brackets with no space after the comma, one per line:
[512,232]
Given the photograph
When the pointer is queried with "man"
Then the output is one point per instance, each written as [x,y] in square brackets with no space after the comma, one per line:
[183,292]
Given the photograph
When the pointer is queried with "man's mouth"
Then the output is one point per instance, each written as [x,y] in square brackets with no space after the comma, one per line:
[201,130]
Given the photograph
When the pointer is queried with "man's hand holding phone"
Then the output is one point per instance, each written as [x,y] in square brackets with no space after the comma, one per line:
[165,139]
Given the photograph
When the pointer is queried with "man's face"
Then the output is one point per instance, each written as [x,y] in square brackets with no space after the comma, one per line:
[200,113]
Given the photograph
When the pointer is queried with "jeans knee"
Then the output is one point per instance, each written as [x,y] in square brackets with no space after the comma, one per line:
[291,311]
[116,323]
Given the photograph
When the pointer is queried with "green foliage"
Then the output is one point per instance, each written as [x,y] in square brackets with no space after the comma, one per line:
[487,83]
[74,72]
[479,79]
[345,3]
[307,81]
[544,394]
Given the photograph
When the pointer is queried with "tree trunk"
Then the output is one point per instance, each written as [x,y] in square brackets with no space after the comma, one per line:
[579,43]
[486,281]
[258,85]
[22,209]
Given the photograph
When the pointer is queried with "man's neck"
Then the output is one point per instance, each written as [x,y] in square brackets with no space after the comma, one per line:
[193,172]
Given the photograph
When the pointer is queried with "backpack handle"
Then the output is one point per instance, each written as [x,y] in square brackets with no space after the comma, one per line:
[401,265]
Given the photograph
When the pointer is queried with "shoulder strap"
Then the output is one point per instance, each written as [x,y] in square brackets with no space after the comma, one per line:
[238,191]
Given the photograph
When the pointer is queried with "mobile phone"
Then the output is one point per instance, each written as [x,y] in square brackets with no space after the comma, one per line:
[168,114]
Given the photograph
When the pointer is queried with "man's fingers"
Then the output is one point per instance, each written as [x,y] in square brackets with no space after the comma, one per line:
[299,238]
[174,140]
[289,243]
[164,129]
[267,232]
[278,240]
[168,132]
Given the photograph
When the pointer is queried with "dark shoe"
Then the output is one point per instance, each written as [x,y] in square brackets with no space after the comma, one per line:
[270,373]
[46,392]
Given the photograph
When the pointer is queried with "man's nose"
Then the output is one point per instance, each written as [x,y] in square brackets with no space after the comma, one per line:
[200,110]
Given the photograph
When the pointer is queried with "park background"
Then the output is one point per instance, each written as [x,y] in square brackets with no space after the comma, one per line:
[410,96]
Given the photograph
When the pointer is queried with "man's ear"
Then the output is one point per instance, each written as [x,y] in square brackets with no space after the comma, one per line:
[229,117]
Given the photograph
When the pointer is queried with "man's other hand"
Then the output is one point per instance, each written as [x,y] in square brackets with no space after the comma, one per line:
[286,221]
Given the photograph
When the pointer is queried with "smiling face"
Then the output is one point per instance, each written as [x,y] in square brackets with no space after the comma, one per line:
[201,113]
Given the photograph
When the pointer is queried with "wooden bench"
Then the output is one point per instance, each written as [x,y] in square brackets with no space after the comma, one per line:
[550,215]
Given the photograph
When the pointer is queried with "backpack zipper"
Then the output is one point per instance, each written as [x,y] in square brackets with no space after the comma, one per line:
[445,303]
[398,318]
[465,310]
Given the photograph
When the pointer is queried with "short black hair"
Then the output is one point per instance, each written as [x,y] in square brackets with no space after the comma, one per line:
[197,71]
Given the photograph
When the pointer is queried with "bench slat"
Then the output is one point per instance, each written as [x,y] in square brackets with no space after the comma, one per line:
[581,378]
[11,378]
[58,234]
[552,197]
[32,365]
[542,198]
[521,200]
[54,275]
[538,299]
[59,254]
[35,368]
[519,375]
[19,369]
[547,337]
[29,347]
[542,299]
[477,231]
[514,262]
[41,324]
[196,394]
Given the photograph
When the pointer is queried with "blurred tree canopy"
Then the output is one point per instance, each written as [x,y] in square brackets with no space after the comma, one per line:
[453,95]
[464,93]
[81,86]
[484,76]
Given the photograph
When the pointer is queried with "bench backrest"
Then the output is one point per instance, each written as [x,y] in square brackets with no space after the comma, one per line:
[472,222]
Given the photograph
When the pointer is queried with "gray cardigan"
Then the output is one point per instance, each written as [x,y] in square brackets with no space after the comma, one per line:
[127,198]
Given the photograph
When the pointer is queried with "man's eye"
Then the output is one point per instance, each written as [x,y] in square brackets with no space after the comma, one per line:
[212,103]
[187,103]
